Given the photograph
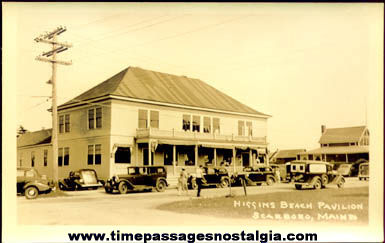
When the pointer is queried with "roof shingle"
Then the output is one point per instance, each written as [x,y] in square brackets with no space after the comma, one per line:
[342,135]
[35,138]
[138,83]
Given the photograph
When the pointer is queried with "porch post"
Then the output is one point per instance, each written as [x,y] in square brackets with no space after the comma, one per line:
[149,152]
[347,160]
[215,156]
[136,154]
[196,155]
[250,159]
[234,158]
[174,158]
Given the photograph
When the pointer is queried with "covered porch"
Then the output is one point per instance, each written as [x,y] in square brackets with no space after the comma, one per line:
[177,154]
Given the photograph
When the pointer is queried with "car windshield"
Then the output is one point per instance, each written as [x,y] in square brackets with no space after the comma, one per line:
[89,177]
[132,171]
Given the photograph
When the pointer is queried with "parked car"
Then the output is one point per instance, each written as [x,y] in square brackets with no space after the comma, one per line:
[138,178]
[212,176]
[313,174]
[80,180]
[363,172]
[257,176]
[31,183]
[345,169]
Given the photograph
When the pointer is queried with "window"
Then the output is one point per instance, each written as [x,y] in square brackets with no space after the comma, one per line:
[123,155]
[60,157]
[61,124]
[94,154]
[33,159]
[249,125]
[154,119]
[216,125]
[196,123]
[241,126]
[66,156]
[142,119]
[91,119]
[186,122]
[67,123]
[94,118]
[206,124]
[98,117]
[45,160]
[90,159]
[168,157]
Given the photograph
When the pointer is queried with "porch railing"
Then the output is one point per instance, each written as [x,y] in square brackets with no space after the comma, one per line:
[173,134]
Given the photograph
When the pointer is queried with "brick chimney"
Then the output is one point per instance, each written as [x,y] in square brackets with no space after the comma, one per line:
[323,129]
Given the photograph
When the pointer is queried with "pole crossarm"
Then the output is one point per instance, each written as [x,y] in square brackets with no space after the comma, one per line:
[57,50]
[50,35]
[44,59]
[65,44]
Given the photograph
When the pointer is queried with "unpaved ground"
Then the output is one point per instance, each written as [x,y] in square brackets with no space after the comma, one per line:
[99,208]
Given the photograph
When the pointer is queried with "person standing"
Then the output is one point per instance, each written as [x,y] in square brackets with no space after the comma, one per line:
[184,177]
[199,178]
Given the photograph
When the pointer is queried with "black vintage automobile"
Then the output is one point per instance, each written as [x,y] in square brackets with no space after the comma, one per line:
[31,183]
[138,178]
[256,176]
[313,174]
[81,180]
[212,176]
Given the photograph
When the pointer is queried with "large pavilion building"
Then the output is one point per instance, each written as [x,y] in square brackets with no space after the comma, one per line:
[143,117]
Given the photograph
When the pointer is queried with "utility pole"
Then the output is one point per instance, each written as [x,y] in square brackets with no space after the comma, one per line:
[57,47]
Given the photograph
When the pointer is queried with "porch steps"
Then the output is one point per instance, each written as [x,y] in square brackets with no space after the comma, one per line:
[172,181]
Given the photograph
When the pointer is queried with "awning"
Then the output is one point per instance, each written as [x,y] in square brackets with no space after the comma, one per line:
[220,146]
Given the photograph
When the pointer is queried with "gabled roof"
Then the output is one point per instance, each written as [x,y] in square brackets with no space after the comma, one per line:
[288,153]
[35,138]
[138,83]
[342,135]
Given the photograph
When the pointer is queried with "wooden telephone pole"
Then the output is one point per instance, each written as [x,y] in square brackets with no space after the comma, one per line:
[57,47]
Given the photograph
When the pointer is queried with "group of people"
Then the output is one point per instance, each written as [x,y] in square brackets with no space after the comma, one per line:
[183,184]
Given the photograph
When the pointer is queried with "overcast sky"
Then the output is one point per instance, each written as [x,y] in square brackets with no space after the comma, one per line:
[303,64]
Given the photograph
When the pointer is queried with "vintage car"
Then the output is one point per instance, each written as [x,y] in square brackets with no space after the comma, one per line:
[81,180]
[212,176]
[31,183]
[345,169]
[313,174]
[138,178]
[363,172]
[256,176]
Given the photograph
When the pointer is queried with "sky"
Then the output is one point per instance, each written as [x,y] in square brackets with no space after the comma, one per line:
[306,65]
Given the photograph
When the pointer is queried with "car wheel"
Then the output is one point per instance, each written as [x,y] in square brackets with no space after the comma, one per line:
[318,184]
[341,183]
[224,183]
[324,179]
[123,188]
[31,192]
[161,186]
[298,186]
[270,180]
[108,189]
[61,186]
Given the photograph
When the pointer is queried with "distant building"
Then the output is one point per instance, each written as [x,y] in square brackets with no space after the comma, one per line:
[285,155]
[341,145]
[143,117]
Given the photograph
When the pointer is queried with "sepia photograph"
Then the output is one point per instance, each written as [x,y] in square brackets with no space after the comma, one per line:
[192,122]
